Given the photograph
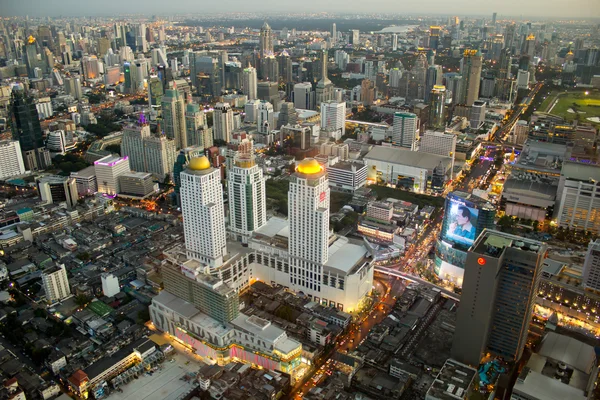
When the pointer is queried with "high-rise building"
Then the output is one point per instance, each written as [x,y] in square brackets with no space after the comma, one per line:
[247,198]
[249,83]
[434,37]
[579,196]
[11,159]
[354,38]
[477,117]
[433,78]
[132,145]
[308,210]
[203,212]
[86,181]
[91,67]
[404,130]
[324,91]
[137,185]
[56,284]
[197,131]
[471,65]
[57,189]
[440,143]
[333,117]
[287,115]
[394,42]
[222,121]
[437,107]
[26,126]
[304,96]
[333,33]
[31,57]
[108,170]
[265,119]
[173,112]
[502,276]
[266,40]
[591,266]
[73,87]
[182,160]
[110,284]
[269,91]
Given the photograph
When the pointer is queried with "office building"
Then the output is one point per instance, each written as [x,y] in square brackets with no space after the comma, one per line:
[146,152]
[265,118]
[85,180]
[579,195]
[304,96]
[502,276]
[347,176]
[108,170]
[432,79]
[338,150]
[132,145]
[455,381]
[182,160]
[591,266]
[477,117]
[333,33]
[90,67]
[203,212]
[440,143]
[451,249]
[324,90]
[222,122]
[333,117]
[249,83]
[520,132]
[287,115]
[434,37]
[60,142]
[471,65]
[11,159]
[197,131]
[56,284]
[110,284]
[404,130]
[57,189]
[354,38]
[173,113]
[266,40]
[523,79]
[73,87]
[137,185]
[26,126]
[268,91]
[394,42]
[247,198]
[437,107]
[31,57]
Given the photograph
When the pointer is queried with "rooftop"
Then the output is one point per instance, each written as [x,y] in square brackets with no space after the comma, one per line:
[259,327]
[275,226]
[452,382]
[581,172]
[344,256]
[492,243]
[402,156]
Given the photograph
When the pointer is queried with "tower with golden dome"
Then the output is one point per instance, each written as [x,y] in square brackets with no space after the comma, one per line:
[308,213]
[203,212]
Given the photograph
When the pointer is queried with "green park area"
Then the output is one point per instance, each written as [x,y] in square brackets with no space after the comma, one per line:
[583,106]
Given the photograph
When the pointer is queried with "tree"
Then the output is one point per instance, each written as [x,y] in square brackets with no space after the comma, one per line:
[536,226]
[84,256]
[506,223]
[114,148]
[143,316]
[81,300]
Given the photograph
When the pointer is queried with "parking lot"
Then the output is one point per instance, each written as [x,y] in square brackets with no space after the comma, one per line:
[164,384]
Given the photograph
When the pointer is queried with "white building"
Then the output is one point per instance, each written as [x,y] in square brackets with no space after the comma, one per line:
[110,284]
[591,266]
[404,130]
[477,117]
[203,212]
[108,170]
[197,131]
[249,83]
[147,152]
[11,159]
[523,79]
[54,189]
[59,142]
[222,121]
[333,117]
[56,284]
[347,176]
[44,108]
[85,180]
[247,198]
[579,196]
[251,110]
[442,144]
[265,118]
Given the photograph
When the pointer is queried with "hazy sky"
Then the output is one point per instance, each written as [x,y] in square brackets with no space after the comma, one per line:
[533,8]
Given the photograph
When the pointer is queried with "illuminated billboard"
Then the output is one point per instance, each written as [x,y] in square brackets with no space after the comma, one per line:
[460,222]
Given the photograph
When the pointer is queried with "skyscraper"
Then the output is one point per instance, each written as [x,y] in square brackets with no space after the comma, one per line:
[501,280]
[324,91]
[404,130]
[55,189]
[266,40]
[394,42]
[433,78]
[181,162]
[108,170]
[471,71]
[197,131]
[31,57]
[174,117]
[437,107]
[203,212]
[222,122]
[308,205]
[249,83]
[333,33]
[132,145]
[591,266]
[354,38]
[303,96]
[477,117]
[11,159]
[265,118]
[247,198]
[26,125]
[434,37]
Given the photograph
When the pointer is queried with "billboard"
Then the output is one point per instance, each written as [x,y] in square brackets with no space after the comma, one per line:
[461,222]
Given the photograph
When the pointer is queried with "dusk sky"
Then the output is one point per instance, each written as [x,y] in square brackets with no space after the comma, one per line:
[531,8]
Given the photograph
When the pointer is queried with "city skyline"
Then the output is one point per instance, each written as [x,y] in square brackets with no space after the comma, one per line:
[536,8]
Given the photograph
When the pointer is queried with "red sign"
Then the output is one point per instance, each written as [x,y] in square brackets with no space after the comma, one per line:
[322,196]
[481,261]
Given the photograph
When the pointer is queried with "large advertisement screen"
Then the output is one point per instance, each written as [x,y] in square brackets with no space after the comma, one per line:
[461,222]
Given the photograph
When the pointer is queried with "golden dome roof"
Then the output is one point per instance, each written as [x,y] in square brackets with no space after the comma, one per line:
[199,163]
[309,166]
